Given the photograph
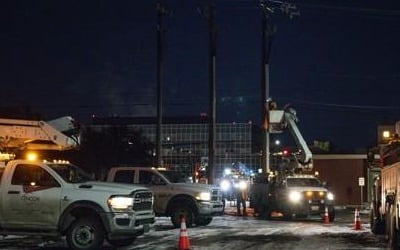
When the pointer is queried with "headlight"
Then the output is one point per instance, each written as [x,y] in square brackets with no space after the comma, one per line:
[204,196]
[242,185]
[120,202]
[225,185]
[330,196]
[294,196]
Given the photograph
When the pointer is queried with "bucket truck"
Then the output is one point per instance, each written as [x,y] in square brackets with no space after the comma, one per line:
[385,200]
[58,134]
[291,191]
[55,199]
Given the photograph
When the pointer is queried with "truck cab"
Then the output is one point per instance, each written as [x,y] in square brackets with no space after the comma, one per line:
[174,196]
[301,195]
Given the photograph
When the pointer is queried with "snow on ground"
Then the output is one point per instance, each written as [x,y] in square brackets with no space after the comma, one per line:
[234,232]
[231,232]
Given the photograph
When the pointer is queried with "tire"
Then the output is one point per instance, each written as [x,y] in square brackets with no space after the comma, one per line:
[203,220]
[122,242]
[85,234]
[178,212]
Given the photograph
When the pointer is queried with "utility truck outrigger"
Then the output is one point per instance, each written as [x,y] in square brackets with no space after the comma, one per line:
[54,199]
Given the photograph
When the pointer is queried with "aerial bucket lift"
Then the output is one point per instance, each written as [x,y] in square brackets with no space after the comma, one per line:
[18,134]
[281,120]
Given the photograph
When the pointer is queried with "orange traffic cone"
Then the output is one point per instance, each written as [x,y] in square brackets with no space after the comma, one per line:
[357,221]
[183,243]
[326,216]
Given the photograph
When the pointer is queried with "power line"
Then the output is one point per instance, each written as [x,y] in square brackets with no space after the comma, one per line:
[349,106]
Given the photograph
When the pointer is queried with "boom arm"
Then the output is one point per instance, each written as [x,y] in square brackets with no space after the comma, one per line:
[291,120]
[58,134]
[282,119]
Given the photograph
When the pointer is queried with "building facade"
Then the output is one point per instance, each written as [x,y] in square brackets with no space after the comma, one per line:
[185,142]
[185,149]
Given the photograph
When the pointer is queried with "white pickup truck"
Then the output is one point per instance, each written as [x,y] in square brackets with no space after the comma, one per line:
[301,195]
[58,199]
[172,196]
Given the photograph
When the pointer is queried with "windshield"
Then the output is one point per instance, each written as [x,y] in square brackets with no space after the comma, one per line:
[175,177]
[71,173]
[303,182]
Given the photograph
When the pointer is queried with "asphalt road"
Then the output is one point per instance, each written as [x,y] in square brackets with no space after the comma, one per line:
[233,232]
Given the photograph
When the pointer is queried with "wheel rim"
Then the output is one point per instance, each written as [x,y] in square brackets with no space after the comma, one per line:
[83,236]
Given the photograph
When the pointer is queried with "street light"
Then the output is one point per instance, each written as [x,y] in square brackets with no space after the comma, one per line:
[386,134]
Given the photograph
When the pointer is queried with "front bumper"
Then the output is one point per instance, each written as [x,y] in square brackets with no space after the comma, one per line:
[210,208]
[309,207]
[128,224]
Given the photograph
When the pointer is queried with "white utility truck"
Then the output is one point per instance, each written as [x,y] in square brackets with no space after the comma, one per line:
[173,196]
[55,199]
[292,190]
[385,195]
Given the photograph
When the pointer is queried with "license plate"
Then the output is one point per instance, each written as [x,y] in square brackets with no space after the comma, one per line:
[314,208]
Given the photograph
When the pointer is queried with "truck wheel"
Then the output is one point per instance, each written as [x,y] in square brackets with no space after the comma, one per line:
[122,242]
[178,212]
[85,233]
[203,220]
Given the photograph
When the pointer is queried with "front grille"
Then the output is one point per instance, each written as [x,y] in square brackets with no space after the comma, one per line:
[314,195]
[216,195]
[142,200]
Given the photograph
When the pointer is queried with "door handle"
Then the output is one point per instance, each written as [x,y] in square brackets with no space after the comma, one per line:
[13,192]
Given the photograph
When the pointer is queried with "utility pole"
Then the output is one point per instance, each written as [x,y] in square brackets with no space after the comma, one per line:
[265,49]
[266,40]
[160,12]
[212,93]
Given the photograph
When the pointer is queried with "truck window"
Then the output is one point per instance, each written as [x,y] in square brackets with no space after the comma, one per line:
[33,175]
[175,177]
[149,178]
[125,176]
[303,182]
[71,173]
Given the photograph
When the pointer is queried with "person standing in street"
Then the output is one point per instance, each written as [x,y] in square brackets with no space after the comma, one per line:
[242,193]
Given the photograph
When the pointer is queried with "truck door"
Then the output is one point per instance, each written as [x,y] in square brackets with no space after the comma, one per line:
[33,198]
[159,187]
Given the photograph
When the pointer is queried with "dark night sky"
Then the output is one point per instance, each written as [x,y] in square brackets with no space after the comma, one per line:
[337,63]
